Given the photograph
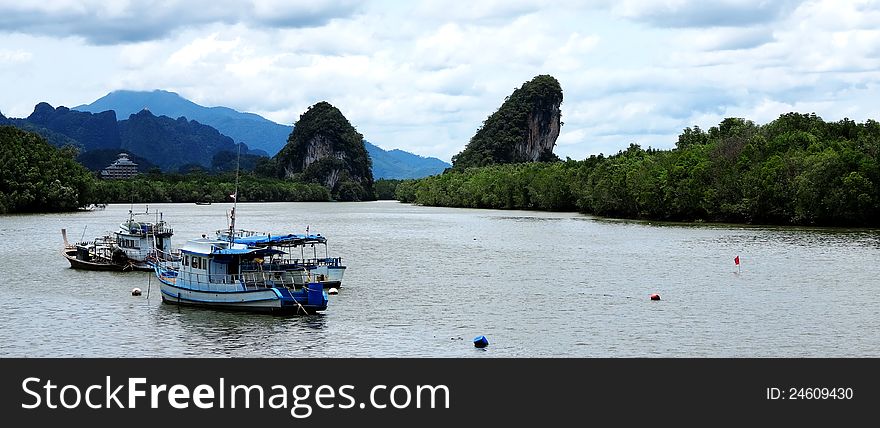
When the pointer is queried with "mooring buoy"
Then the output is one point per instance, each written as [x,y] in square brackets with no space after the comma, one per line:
[655,296]
[481,342]
[135,291]
[333,291]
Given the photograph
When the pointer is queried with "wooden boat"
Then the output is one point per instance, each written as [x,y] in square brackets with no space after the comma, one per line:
[203,203]
[96,255]
[130,247]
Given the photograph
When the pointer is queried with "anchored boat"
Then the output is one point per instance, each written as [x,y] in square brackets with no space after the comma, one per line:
[131,247]
[210,274]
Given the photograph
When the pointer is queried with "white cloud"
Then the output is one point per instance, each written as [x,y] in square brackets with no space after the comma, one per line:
[16,56]
[422,77]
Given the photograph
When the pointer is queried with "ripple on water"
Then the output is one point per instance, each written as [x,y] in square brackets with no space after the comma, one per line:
[419,284]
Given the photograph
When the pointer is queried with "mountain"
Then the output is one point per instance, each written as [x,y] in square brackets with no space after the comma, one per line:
[171,143]
[400,164]
[92,131]
[325,148]
[3,119]
[523,129]
[254,130]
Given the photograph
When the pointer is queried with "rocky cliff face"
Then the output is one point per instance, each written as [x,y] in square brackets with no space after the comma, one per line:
[325,148]
[93,131]
[523,129]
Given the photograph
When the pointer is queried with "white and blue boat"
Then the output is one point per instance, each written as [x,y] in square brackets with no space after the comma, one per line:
[210,274]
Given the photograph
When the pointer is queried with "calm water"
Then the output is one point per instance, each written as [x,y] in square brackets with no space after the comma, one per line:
[424,281]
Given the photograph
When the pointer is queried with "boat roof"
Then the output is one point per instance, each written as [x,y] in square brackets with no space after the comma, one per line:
[290,239]
[210,246]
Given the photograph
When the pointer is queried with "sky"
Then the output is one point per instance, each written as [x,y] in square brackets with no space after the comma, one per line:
[422,76]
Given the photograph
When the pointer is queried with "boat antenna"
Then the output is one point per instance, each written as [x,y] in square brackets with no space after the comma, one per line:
[234,199]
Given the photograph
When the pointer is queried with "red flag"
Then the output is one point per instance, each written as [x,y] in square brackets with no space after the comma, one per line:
[736,260]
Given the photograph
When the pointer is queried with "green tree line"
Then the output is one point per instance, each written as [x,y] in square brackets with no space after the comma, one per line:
[38,177]
[797,169]
[202,187]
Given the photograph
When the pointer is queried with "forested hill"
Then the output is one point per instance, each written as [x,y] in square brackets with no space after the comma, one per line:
[37,177]
[523,129]
[797,170]
[172,143]
[325,148]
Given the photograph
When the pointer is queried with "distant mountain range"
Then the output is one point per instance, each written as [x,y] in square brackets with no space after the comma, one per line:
[165,142]
[259,133]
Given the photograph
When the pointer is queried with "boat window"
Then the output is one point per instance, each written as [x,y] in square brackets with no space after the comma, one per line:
[195,264]
[186,260]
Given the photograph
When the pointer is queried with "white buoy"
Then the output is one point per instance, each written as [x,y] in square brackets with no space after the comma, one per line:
[135,291]
[332,291]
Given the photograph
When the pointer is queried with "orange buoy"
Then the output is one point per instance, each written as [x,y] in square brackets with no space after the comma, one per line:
[655,296]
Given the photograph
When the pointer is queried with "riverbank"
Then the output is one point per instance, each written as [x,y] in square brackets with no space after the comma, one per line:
[797,170]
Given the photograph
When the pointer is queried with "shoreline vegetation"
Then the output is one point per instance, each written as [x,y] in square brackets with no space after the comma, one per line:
[796,170]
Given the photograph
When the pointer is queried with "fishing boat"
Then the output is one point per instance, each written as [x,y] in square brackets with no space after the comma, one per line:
[210,274]
[99,254]
[131,247]
[327,270]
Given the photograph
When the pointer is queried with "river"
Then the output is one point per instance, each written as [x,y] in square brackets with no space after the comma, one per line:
[424,281]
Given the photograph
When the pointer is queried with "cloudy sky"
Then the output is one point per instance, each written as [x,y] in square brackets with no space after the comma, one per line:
[422,76]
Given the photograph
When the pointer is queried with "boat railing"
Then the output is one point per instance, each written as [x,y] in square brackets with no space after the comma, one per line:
[321,261]
[147,229]
[252,280]
[171,259]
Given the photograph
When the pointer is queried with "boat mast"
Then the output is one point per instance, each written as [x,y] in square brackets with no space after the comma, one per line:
[234,199]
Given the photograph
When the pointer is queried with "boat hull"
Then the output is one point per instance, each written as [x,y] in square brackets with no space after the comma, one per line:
[79,264]
[266,300]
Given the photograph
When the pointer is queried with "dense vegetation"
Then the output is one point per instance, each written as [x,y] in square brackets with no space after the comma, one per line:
[797,169]
[325,148]
[386,188]
[196,187]
[506,129]
[171,143]
[37,177]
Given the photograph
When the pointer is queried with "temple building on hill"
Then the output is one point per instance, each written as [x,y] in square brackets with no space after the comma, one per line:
[122,168]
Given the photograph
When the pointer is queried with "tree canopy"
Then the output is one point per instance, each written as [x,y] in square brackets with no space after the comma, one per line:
[37,177]
[797,169]
[343,164]
[497,139]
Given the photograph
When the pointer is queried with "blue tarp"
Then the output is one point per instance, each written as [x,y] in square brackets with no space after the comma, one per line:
[288,239]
